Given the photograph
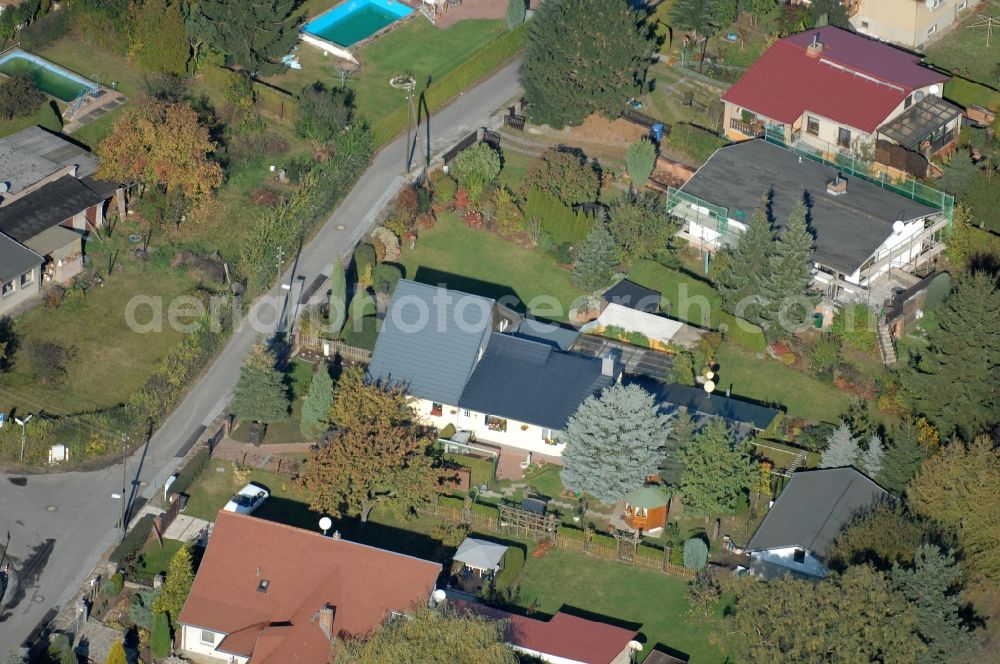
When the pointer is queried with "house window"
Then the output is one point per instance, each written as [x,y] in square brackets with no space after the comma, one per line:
[436,409]
[8,288]
[864,25]
[844,137]
[27,278]
[812,125]
[931,30]
[466,412]
[934,4]
[908,102]
[799,556]
[496,423]
[263,585]
[207,637]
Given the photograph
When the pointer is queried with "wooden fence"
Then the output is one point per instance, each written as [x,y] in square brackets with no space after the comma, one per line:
[646,557]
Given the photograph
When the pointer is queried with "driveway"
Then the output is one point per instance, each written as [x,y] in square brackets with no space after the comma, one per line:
[59,525]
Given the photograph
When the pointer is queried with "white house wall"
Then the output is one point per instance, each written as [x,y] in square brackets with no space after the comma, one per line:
[624,657]
[529,439]
[191,642]
[785,557]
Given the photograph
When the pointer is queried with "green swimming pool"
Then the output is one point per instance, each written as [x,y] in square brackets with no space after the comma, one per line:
[48,78]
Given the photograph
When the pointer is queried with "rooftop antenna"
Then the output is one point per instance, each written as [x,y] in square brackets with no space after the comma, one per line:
[258,570]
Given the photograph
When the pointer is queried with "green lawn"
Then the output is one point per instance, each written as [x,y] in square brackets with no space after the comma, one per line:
[770,381]
[689,298]
[481,469]
[482,263]
[287,430]
[963,50]
[655,603]
[156,558]
[110,361]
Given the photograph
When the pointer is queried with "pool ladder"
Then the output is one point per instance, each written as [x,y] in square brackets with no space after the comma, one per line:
[78,102]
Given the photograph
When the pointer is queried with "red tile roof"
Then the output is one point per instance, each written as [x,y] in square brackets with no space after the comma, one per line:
[305,571]
[564,635]
[855,81]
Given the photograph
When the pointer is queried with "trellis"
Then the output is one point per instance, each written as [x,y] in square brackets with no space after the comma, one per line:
[515,520]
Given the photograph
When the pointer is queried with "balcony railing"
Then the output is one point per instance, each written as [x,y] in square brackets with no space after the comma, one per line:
[754,129]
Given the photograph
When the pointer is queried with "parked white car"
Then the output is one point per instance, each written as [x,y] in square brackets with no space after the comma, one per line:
[247,500]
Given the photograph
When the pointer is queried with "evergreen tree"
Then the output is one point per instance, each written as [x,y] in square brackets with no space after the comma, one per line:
[682,369]
[316,407]
[177,585]
[697,16]
[117,654]
[159,636]
[253,35]
[695,553]
[740,281]
[260,394]
[842,448]
[682,432]
[932,586]
[717,470]
[614,442]
[584,57]
[597,260]
[516,11]
[953,382]
[902,458]
[884,536]
[159,40]
[786,288]
[338,298]
[641,225]
[640,158]
[872,457]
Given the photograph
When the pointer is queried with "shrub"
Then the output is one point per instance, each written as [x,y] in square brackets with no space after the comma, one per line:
[45,30]
[567,176]
[694,141]
[855,325]
[558,219]
[461,199]
[386,245]
[564,253]
[60,651]
[133,541]
[447,432]
[824,355]
[361,333]
[476,167]
[640,158]
[473,219]
[426,221]
[386,273]
[48,360]
[695,553]
[509,218]
[140,607]
[364,254]
[444,189]
[510,570]
[113,586]
[450,534]
[19,97]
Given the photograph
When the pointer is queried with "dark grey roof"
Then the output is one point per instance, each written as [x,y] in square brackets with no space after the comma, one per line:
[919,121]
[696,400]
[530,382]
[430,340]
[848,228]
[632,295]
[15,259]
[814,507]
[553,334]
[34,154]
[46,207]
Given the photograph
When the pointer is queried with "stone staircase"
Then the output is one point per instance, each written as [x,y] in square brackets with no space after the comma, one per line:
[886,345]
[797,462]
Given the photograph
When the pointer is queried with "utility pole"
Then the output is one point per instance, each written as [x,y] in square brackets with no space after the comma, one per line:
[125,496]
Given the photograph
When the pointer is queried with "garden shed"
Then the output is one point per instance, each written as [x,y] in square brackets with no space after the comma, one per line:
[646,509]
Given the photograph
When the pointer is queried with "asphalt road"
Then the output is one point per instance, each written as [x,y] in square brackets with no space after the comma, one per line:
[59,525]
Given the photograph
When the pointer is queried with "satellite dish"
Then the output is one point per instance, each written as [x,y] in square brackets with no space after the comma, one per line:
[4,187]
[897,226]
[918,95]
[709,386]
[325,524]
[935,89]
[635,645]
[709,374]
[438,596]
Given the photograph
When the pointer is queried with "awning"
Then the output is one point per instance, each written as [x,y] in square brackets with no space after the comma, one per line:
[480,554]
[920,121]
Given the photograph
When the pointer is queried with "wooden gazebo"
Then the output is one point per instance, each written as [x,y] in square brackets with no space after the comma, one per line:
[645,509]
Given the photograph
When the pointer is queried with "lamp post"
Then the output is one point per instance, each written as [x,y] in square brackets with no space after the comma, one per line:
[23,423]
[406,82]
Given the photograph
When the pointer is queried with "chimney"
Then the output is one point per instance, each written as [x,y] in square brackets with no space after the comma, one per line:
[608,366]
[816,47]
[326,620]
[837,186]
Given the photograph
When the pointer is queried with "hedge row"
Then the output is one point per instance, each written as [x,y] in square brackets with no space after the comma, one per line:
[133,541]
[482,63]
[187,476]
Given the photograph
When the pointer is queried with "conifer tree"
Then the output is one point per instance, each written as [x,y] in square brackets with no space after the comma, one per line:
[786,288]
[902,458]
[117,654]
[640,158]
[954,381]
[253,35]
[177,585]
[614,442]
[260,394]
[740,280]
[717,470]
[584,57]
[842,449]
[597,260]
[682,432]
[871,458]
[317,404]
[516,11]
[159,40]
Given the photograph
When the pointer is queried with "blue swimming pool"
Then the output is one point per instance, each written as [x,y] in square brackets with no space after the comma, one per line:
[355,20]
